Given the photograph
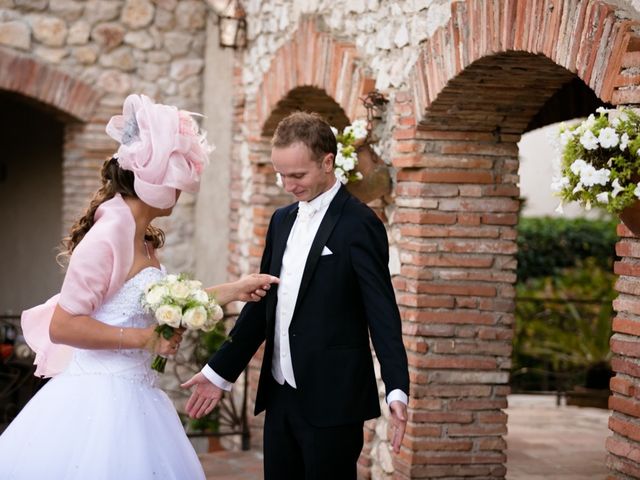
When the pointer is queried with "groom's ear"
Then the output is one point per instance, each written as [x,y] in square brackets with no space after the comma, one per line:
[327,163]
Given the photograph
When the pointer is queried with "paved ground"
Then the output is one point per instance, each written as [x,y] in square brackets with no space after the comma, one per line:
[559,443]
[545,442]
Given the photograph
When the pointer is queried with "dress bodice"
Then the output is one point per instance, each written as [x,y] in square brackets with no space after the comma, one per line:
[123,309]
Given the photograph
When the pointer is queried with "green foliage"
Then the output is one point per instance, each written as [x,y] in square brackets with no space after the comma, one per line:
[573,329]
[564,301]
[546,245]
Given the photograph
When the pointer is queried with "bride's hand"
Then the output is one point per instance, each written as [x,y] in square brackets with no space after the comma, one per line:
[159,345]
[253,287]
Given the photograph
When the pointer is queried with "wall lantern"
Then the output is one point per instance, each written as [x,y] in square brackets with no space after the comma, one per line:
[232,22]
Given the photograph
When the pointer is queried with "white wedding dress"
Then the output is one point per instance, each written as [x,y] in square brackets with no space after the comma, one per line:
[103,418]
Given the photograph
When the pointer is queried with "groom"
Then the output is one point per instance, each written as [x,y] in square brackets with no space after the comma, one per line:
[317,382]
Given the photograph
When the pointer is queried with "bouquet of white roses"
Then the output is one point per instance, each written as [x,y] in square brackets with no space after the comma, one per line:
[176,301]
[600,165]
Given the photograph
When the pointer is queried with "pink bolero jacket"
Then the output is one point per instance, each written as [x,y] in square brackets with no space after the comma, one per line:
[97,269]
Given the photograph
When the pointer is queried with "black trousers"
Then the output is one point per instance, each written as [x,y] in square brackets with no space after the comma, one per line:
[296,450]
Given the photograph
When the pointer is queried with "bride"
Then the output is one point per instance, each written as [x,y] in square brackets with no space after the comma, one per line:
[102,415]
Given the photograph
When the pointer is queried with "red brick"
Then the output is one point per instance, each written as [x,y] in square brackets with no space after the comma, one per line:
[452,317]
[623,386]
[477,430]
[625,427]
[625,405]
[628,248]
[419,444]
[500,218]
[629,348]
[451,362]
[623,448]
[626,268]
[624,325]
[446,176]
[439,417]
[418,430]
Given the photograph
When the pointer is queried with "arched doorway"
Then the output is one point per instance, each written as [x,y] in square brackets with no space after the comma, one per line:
[479,84]
[31,202]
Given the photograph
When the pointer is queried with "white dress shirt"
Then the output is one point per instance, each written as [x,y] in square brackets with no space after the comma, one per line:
[304,230]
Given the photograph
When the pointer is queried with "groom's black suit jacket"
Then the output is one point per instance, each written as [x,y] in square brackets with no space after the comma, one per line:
[343,298]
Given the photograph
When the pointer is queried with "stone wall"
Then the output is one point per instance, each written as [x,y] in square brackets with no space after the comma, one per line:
[83,58]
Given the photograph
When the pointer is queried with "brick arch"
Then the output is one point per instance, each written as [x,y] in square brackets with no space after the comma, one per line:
[36,80]
[478,83]
[585,38]
[312,58]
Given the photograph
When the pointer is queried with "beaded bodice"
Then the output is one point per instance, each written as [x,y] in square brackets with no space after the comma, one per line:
[123,309]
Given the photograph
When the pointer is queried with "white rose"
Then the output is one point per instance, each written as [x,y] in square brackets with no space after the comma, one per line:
[195,284]
[201,296]
[171,278]
[216,313]
[179,290]
[195,318]
[156,294]
[169,315]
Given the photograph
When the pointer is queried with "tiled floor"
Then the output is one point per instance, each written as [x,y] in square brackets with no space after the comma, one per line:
[545,442]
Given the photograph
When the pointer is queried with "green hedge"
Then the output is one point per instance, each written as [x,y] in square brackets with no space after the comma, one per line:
[548,245]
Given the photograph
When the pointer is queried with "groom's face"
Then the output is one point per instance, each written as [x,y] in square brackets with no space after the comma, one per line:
[302,175]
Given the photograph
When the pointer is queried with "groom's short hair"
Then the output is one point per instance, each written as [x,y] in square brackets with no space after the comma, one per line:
[308,128]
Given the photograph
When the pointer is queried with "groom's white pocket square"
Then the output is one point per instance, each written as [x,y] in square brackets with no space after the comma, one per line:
[326,251]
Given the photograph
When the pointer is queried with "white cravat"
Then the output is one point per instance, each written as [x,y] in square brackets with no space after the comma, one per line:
[304,230]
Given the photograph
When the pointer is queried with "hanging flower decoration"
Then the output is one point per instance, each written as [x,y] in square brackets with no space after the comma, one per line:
[600,166]
[346,158]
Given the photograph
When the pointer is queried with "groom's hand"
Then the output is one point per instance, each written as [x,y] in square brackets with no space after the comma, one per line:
[204,397]
[398,423]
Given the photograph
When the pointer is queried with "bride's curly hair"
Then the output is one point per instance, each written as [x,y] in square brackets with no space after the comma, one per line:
[114,180]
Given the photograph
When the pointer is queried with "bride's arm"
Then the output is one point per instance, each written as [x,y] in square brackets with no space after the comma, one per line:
[83,331]
[248,289]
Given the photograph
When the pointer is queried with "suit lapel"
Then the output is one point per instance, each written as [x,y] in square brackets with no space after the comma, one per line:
[280,243]
[326,227]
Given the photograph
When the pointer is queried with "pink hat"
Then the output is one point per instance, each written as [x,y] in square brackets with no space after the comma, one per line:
[163,148]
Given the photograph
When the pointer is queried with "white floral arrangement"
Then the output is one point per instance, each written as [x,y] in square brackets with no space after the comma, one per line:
[346,159]
[176,301]
[600,165]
